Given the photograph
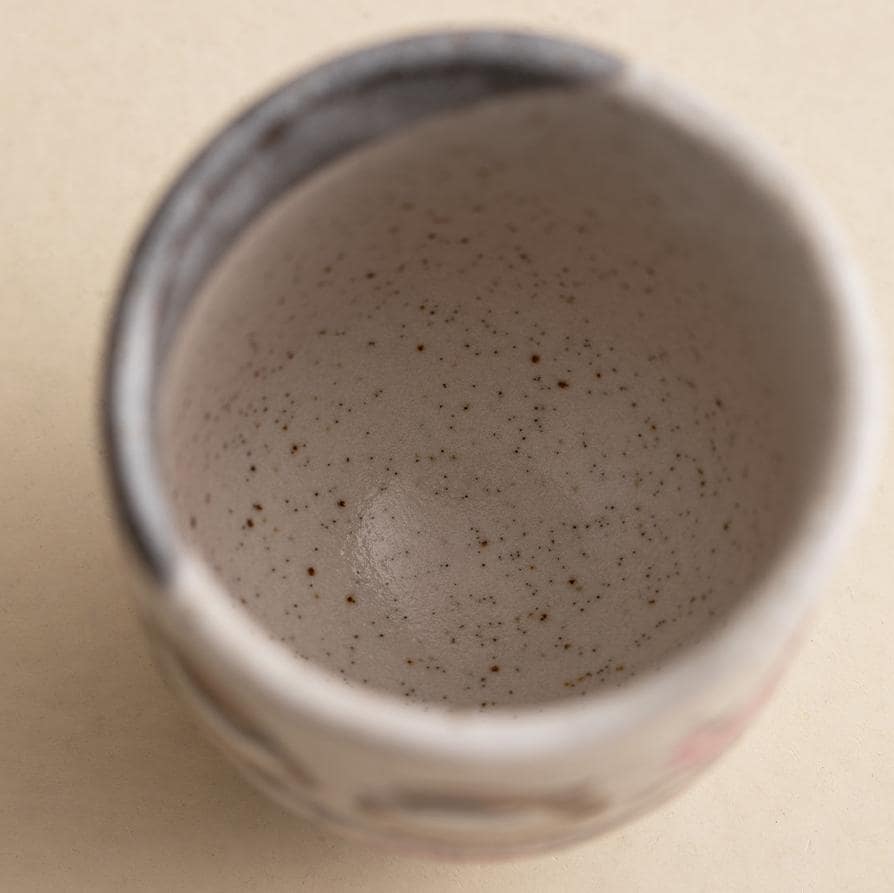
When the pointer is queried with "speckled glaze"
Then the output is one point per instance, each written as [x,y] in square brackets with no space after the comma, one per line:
[447,426]
[501,413]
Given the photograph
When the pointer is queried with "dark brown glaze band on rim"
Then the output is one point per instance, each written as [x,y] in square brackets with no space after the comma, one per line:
[292,132]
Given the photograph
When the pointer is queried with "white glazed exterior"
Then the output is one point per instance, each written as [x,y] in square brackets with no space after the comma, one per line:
[484,785]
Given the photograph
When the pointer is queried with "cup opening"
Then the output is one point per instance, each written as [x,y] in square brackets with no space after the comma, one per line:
[679,395]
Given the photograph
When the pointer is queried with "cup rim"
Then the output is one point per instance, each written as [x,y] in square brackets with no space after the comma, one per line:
[218,623]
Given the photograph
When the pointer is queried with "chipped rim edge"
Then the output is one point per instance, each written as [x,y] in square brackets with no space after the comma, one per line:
[215,622]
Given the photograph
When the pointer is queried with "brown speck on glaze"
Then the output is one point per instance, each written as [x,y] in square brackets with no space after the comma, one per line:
[582,476]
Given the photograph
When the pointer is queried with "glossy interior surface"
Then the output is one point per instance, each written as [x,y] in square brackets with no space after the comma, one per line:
[506,408]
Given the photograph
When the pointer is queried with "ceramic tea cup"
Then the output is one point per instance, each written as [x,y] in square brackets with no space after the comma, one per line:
[486,413]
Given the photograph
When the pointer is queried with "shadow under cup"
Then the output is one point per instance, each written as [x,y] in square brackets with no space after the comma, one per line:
[504,405]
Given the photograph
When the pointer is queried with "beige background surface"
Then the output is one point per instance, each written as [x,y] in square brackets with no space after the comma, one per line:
[104,782]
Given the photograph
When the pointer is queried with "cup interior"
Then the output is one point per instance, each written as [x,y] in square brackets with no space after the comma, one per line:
[508,407]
